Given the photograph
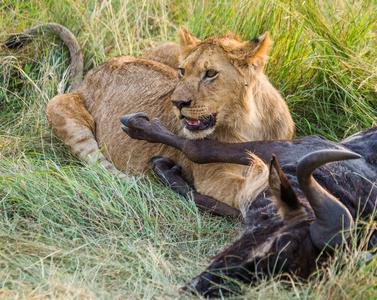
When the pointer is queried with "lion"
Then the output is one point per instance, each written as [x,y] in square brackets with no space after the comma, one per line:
[200,89]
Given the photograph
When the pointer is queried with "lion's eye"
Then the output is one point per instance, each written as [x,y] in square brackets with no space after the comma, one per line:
[181,72]
[211,73]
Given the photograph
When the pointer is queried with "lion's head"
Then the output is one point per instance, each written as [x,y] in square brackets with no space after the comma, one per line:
[222,85]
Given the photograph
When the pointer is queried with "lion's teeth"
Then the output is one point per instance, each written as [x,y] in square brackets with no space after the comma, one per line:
[193,122]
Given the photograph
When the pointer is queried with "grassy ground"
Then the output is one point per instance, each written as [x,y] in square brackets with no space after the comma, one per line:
[67,231]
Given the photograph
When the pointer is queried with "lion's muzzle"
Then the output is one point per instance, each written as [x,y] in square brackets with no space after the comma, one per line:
[202,124]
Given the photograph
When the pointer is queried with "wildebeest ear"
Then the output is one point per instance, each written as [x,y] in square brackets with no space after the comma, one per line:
[252,53]
[187,41]
[282,190]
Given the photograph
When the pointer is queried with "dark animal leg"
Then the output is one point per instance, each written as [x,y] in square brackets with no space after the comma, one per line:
[204,151]
[170,173]
[139,127]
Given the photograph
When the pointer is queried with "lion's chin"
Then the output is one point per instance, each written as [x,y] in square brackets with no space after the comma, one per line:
[197,134]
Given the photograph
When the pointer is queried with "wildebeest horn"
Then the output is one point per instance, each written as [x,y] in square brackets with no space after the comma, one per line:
[331,215]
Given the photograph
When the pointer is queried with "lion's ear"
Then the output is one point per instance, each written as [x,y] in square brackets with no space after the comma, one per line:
[252,53]
[187,41]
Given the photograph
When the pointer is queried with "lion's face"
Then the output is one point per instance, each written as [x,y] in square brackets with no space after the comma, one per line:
[214,77]
[209,88]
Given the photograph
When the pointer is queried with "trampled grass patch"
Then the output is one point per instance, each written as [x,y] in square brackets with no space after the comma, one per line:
[69,231]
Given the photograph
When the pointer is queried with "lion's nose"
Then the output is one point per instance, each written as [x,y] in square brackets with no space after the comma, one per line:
[181,104]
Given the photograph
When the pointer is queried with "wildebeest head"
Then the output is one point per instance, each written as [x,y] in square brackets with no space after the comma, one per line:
[289,235]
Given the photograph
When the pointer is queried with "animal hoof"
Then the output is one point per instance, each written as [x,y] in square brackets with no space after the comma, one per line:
[127,118]
[165,166]
[158,160]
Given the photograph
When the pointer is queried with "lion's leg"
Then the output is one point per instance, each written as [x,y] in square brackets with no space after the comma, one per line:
[218,182]
[74,125]
[170,173]
[232,184]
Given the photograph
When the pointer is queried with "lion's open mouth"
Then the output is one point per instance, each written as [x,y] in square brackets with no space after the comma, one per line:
[202,124]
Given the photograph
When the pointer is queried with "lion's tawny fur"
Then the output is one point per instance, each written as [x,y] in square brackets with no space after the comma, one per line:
[246,105]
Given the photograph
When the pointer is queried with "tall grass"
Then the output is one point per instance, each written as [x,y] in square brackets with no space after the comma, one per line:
[67,231]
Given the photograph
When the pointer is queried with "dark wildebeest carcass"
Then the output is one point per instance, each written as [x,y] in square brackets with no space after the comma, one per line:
[307,217]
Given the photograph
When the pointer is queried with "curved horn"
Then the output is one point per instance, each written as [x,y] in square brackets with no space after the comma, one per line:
[331,215]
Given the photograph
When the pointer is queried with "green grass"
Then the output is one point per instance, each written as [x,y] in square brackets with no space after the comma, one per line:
[67,231]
